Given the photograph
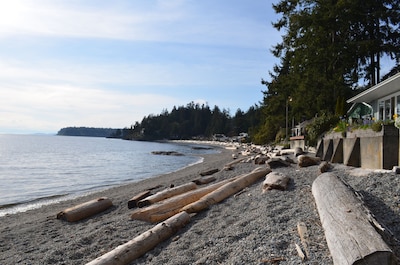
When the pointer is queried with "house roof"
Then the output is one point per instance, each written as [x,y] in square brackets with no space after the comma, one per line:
[380,90]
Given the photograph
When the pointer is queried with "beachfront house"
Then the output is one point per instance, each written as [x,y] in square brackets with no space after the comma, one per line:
[380,102]
[368,148]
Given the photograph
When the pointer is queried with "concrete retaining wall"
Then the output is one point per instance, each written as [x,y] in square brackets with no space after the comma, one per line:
[363,148]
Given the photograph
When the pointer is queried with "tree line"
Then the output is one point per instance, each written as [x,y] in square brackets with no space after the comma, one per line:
[330,51]
[90,131]
[194,121]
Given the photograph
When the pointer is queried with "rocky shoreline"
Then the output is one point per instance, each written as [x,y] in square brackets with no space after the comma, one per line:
[251,227]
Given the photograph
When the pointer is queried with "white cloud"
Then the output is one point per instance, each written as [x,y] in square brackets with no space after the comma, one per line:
[50,107]
[165,21]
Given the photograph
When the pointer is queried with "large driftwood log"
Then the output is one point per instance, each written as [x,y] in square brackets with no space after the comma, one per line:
[165,194]
[226,190]
[350,236]
[132,203]
[126,253]
[85,210]
[167,208]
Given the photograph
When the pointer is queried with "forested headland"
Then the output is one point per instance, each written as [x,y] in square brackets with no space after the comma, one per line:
[195,121]
[90,131]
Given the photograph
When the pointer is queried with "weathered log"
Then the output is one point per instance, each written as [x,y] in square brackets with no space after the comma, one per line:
[275,180]
[204,180]
[348,228]
[226,190]
[135,248]
[85,210]
[165,194]
[132,203]
[303,233]
[167,208]
[209,172]
[229,166]
[300,252]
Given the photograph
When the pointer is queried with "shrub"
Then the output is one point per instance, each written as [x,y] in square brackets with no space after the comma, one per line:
[320,125]
[376,126]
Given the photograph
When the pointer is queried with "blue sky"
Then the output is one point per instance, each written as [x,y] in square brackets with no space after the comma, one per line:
[104,63]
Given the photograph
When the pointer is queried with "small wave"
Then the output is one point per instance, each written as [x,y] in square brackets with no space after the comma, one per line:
[13,208]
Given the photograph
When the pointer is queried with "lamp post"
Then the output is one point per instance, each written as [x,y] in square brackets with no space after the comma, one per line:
[289,99]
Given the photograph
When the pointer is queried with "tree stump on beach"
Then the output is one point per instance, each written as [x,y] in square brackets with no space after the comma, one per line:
[347,223]
[132,203]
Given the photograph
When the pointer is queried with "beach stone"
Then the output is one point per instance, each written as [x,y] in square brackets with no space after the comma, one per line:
[260,159]
[167,153]
[324,167]
[306,161]
[298,151]
[396,169]
[275,180]
[277,162]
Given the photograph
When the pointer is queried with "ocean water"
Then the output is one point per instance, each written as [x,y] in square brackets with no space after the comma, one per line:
[41,169]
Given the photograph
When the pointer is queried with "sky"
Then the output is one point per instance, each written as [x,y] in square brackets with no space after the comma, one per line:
[100,63]
[108,64]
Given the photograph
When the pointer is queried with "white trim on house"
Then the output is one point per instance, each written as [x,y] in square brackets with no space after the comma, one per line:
[380,90]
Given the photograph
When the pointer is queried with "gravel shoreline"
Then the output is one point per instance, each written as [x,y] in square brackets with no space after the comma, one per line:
[249,228]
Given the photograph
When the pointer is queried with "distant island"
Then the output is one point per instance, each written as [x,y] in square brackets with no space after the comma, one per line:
[92,132]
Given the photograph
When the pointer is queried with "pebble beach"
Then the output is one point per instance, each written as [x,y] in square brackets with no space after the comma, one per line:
[251,227]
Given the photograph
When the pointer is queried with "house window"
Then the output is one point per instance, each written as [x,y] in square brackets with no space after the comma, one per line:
[398,105]
[381,110]
[386,108]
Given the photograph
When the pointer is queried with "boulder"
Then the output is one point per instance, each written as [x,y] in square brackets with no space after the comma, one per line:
[275,180]
[260,159]
[276,162]
[306,161]
[298,151]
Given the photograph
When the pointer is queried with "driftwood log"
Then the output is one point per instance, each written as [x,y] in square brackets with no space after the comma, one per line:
[230,165]
[85,210]
[165,194]
[132,203]
[303,233]
[348,227]
[128,252]
[226,190]
[167,208]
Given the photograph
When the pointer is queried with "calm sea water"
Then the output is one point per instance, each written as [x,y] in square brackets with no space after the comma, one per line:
[41,169]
